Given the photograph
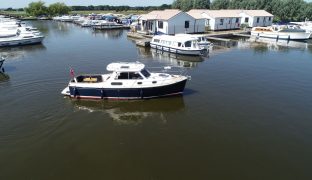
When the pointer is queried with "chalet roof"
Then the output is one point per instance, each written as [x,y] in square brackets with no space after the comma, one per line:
[163,15]
[257,13]
[200,13]
[196,13]
[223,13]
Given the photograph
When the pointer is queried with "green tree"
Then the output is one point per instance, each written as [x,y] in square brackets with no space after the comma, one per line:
[58,9]
[36,8]
[176,4]
[201,4]
[186,5]
[220,4]
[292,9]
[307,12]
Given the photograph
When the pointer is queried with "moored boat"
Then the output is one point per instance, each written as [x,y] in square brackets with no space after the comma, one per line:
[280,32]
[178,44]
[103,24]
[21,38]
[201,40]
[127,80]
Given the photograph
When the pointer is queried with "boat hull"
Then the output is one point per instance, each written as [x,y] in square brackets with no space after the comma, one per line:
[178,51]
[127,93]
[280,35]
[20,42]
[101,27]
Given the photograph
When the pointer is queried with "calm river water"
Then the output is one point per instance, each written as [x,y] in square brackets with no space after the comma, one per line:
[246,113]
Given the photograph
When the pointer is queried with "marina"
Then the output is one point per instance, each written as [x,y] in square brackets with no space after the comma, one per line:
[246,109]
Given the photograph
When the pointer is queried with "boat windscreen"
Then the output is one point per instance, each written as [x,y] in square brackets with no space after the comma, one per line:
[145,73]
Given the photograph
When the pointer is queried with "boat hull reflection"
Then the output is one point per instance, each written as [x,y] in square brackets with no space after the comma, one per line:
[133,112]
[177,60]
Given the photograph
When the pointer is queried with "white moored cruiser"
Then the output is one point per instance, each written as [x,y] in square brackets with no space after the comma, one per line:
[178,44]
[201,39]
[280,32]
[128,80]
[21,38]
[103,24]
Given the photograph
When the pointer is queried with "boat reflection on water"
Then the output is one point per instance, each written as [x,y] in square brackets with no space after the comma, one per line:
[170,58]
[134,112]
[177,60]
[278,45]
[4,77]
[109,34]
[18,52]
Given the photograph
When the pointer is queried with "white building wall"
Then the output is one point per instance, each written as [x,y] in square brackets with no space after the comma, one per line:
[228,23]
[263,20]
[217,24]
[199,25]
[177,24]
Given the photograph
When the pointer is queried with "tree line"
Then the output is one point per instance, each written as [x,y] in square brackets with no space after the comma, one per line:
[120,8]
[283,10]
[39,9]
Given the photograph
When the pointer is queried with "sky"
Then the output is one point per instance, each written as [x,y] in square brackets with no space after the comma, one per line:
[24,3]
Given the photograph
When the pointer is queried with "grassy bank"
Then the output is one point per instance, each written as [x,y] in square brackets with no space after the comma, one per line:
[14,13]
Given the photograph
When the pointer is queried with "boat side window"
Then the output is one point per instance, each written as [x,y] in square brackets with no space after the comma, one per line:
[123,75]
[246,20]
[258,19]
[179,44]
[188,44]
[145,73]
[156,40]
[269,18]
[134,75]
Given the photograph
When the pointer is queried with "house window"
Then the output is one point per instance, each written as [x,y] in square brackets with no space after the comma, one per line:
[186,24]
[246,20]
[221,21]
[237,19]
[269,18]
[258,19]
[207,22]
[160,24]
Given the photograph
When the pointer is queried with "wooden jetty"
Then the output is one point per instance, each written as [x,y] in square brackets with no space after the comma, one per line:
[241,35]
[135,35]
[143,42]
[217,38]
